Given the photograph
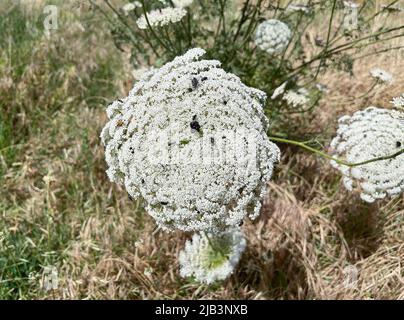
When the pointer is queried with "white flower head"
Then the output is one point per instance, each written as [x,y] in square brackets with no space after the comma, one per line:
[159,18]
[182,3]
[398,102]
[296,98]
[279,91]
[214,258]
[131,6]
[191,140]
[370,134]
[272,36]
[381,75]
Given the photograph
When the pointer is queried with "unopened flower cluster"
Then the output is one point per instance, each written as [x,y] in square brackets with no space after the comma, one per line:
[191,140]
[214,258]
[272,36]
[370,134]
[159,18]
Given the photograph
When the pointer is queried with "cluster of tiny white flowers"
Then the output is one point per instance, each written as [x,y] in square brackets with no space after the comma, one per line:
[159,18]
[381,75]
[182,3]
[272,36]
[398,102]
[157,137]
[370,134]
[131,6]
[214,258]
[296,98]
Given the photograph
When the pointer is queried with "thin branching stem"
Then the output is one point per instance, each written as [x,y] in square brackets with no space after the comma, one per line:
[327,156]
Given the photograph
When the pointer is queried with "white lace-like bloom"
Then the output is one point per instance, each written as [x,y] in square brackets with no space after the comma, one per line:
[296,98]
[131,6]
[191,140]
[381,75]
[297,7]
[159,18]
[182,3]
[369,134]
[209,260]
[279,91]
[398,102]
[272,36]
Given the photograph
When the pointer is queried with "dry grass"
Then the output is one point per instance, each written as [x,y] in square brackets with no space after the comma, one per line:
[58,208]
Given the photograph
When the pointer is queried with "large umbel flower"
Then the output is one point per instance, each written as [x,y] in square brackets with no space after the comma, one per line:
[191,140]
[209,258]
[366,135]
[272,36]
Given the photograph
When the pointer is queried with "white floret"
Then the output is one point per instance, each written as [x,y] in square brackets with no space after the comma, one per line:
[381,75]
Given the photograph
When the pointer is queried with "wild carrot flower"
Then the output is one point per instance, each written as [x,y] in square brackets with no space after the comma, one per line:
[398,102]
[296,98]
[131,6]
[159,18]
[272,36]
[370,134]
[191,140]
[381,75]
[209,258]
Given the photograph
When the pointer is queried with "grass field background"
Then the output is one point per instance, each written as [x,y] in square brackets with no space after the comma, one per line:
[58,208]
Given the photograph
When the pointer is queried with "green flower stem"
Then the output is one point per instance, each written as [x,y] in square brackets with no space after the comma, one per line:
[344,47]
[327,156]
[328,39]
[151,29]
[131,33]
[376,82]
